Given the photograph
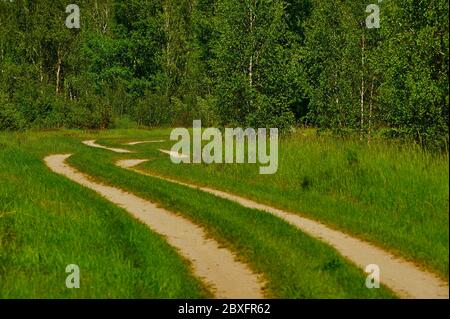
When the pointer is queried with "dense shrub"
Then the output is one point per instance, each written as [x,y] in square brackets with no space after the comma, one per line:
[10,117]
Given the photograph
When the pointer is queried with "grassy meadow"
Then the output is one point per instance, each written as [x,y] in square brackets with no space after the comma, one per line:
[48,222]
[393,195]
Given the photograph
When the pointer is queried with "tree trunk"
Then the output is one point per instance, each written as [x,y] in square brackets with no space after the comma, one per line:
[105,25]
[370,110]
[363,47]
[58,71]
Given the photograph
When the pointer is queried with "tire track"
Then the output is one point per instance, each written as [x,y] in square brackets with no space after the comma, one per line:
[403,277]
[216,266]
[92,143]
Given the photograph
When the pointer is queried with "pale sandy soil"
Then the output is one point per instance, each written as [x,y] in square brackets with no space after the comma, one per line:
[174,154]
[144,142]
[403,277]
[92,143]
[215,265]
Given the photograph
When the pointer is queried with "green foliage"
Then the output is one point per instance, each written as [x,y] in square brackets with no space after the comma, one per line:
[413,65]
[395,77]
[254,63]
[10,118]
[151,110]
[259,63]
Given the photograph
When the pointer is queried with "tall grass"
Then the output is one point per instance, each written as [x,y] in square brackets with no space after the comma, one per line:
[393,194]
[48,222]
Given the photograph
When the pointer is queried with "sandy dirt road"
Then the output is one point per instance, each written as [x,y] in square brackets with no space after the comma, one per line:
[92,143]
[144,142]
[403,277]
[216,266]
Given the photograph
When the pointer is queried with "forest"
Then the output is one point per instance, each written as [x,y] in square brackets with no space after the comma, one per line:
[253,63]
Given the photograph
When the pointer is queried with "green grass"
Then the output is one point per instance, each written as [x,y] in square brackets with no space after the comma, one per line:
[48,222]
[120,257]
[391,194]
[295,265]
